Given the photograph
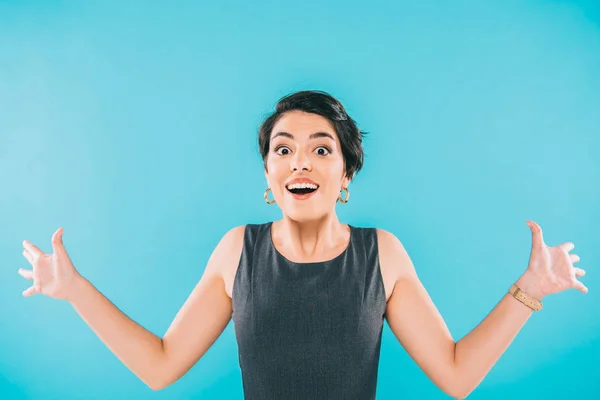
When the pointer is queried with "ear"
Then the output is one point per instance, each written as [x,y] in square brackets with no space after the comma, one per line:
[346,181]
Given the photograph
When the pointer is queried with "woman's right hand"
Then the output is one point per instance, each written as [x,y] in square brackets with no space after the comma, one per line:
[53,274]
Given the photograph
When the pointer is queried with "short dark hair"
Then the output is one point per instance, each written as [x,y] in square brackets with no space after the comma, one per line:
[321,103]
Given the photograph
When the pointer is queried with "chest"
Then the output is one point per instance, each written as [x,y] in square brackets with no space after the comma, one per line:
[388,279]
[300,305]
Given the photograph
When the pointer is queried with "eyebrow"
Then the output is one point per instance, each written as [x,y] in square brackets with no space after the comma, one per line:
[315,135]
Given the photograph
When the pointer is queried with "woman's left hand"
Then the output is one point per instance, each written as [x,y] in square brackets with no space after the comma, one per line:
[550,269]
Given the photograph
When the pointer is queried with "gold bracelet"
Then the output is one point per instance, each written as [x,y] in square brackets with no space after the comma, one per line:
[525,298]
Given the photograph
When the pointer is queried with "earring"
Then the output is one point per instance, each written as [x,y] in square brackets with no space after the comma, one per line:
[267,196]
[347,196]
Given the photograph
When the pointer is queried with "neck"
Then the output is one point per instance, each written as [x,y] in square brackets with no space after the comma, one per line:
[307,239]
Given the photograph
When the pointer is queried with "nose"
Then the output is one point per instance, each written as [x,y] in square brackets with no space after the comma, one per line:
[300,163]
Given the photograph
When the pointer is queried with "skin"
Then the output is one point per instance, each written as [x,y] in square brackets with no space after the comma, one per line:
[308,231]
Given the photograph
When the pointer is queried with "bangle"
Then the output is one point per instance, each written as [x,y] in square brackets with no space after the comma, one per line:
[525,298]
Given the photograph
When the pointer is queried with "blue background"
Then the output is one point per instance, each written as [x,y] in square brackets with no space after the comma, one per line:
[133,126]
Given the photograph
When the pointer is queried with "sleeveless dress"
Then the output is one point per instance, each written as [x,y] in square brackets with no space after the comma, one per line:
[308,330]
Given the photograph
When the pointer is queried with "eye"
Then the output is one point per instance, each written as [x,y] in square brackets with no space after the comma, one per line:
[277,150]
[321,153]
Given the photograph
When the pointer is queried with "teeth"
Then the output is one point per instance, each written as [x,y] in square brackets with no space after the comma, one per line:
[302,186]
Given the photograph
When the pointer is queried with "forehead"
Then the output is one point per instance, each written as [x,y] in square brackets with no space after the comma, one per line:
[302,124]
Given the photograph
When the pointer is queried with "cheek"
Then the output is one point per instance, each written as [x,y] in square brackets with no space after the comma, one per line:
[275,168]
[335,171]
[276,172]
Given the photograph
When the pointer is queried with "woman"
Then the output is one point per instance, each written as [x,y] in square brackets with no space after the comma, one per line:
[308,293]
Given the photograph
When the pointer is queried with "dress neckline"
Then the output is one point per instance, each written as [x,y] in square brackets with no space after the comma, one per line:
[342,254]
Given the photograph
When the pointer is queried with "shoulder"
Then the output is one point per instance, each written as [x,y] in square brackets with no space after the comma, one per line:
[235,233]
[228,250]
[387,240]
[233,237]
[393,255]
[226,257]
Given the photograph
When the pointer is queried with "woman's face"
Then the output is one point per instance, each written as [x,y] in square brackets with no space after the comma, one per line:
[305,146]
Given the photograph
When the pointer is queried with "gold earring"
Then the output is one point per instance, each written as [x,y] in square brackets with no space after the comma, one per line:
[267,196]
[347,196]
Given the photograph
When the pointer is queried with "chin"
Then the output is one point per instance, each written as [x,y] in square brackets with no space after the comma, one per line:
[305,214]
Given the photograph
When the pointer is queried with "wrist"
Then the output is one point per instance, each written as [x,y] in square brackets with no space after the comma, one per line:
[530,284]
[75,288]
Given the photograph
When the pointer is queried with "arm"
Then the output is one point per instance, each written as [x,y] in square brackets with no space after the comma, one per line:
[414,319]
[478,351]
[457,368]
[159,362]
[205,314]
[550,270]
[139,349]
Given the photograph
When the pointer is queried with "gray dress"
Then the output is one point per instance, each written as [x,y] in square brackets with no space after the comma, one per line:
[308,330]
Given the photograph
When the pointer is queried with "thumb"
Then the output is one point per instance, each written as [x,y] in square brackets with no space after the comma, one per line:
[537,235]
[57,243]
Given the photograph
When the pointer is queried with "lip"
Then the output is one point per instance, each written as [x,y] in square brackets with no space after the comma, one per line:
[301,196]
[301,180]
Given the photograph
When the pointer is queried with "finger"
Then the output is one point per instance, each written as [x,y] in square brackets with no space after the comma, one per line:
[579,272]
[574,258]
[35,273]
[580,286]
[568,246]
[30,291]
[32,249]
[57,243]
[37,278]
[26,273]
[27,256]
[538,236]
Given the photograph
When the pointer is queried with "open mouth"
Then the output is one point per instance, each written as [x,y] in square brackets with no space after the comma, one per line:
[302,188]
